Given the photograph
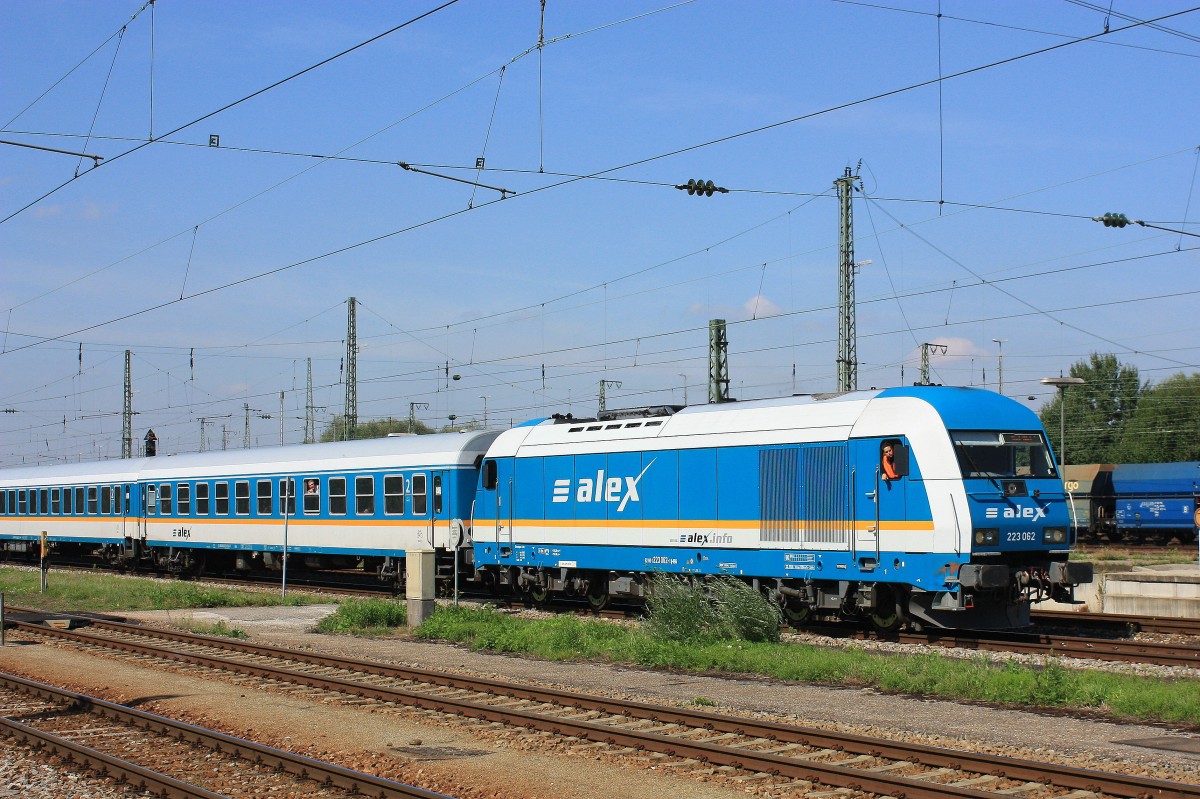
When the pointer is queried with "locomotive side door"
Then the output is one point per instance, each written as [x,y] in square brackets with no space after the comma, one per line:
[881,470]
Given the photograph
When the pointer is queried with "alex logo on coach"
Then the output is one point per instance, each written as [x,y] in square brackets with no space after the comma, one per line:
[601,488]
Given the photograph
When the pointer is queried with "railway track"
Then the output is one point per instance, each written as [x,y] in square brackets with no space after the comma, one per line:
[1122,623]
[681,739]
[1110,649]
[170,758]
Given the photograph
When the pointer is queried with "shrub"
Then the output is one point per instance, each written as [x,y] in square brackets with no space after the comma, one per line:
[723,608]
[364,616]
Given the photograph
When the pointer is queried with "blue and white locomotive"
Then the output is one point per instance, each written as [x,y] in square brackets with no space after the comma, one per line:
[925,506]
[965,525]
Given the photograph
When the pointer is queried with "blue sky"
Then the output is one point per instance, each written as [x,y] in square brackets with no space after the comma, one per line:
[974,210]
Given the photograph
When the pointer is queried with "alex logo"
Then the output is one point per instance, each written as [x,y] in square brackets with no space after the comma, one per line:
[601,489]
[1015,513]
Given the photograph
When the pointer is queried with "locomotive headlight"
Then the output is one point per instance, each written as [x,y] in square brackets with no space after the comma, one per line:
[1054,535]
[987,536]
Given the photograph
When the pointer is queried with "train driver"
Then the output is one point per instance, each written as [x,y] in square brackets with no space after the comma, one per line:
[888,462]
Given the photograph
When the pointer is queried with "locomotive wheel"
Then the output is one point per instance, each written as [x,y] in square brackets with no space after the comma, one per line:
[597,594]
[797,613]
[887,618]
[537,595]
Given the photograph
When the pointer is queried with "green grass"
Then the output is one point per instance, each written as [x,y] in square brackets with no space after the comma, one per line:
[936,675]
[68,591]
[365,617]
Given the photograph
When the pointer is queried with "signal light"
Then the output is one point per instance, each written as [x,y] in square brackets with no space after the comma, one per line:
[703,188]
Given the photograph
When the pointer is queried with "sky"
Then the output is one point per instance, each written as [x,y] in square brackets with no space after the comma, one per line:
[250,182]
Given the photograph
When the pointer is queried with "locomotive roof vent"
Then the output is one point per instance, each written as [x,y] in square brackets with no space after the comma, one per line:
[639,413]
[566,418]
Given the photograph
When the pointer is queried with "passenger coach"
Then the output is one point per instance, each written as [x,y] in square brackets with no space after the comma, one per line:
[344,504]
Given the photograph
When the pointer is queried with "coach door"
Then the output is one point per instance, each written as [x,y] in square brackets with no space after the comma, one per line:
[439,520]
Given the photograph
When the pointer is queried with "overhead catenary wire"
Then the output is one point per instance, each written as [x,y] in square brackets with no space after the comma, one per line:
[558,184]
[239,101]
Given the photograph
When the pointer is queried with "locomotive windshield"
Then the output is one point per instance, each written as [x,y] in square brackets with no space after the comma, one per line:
[999,454]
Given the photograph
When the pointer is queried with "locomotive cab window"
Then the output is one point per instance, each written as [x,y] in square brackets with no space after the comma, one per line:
[893,459]
[393,494]
[490,474]
[993,454]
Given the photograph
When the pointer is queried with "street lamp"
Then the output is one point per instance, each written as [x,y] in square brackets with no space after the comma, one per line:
[1062,384]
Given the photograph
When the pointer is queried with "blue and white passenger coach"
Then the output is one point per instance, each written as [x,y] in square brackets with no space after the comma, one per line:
[352,504]
[927,505]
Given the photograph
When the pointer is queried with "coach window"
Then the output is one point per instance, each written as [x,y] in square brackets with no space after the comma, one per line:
[312,495]
[93,501]
[183,496]
[263,492]
[337,496]
[79,499]
[66,502]
[56,501]
[23,502]
[221,495]
[33,506]
[45,501]
[419,499]
[287,490]
[201,499]
[437,494]
[105,500]
[4,502]
[393,494]
[165,495]
[241,497]
[364,496]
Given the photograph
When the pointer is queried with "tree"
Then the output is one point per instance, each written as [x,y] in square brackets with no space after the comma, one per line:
[1167,424]
[1098,411]
[378,428]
